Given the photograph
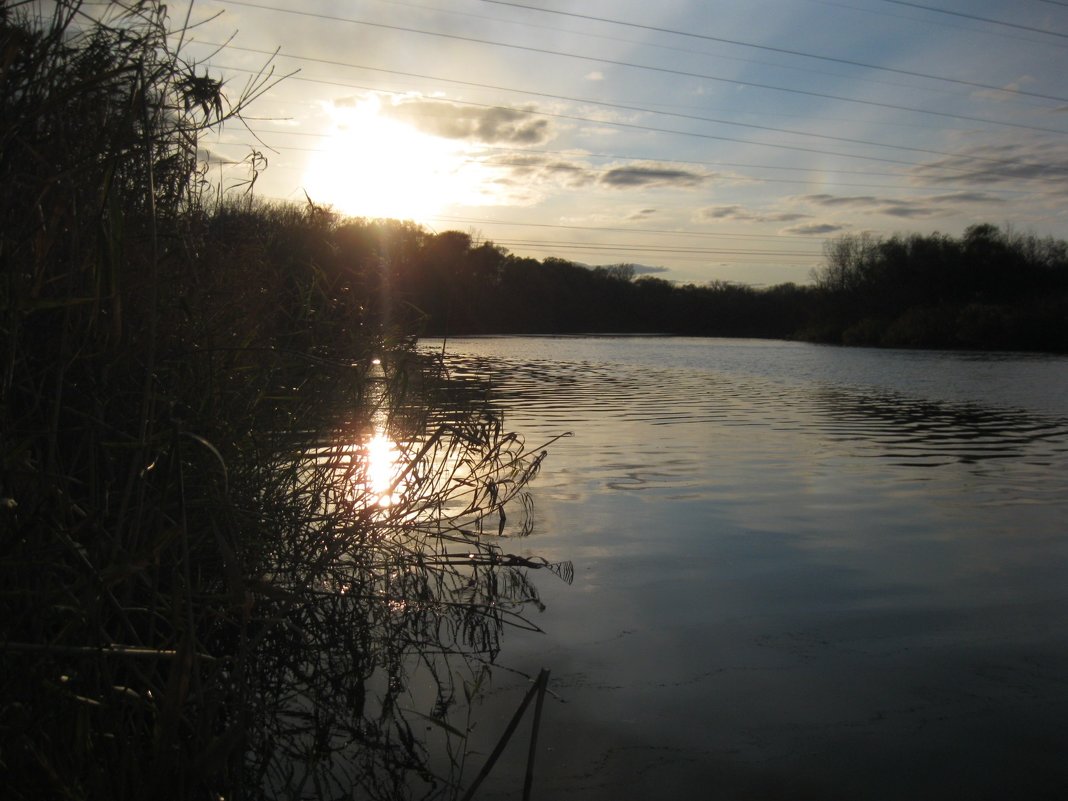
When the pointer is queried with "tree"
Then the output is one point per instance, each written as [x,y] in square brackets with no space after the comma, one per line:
[618,272]
[847,261]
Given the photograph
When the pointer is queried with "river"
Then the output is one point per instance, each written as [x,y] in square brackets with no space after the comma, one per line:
[799,571]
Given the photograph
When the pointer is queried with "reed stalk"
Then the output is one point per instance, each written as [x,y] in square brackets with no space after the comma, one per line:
[201,595]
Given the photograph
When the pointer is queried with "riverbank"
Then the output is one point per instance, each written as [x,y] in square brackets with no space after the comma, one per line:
[228,534]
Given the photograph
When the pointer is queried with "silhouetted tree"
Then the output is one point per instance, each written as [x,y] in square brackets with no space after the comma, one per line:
[989,289]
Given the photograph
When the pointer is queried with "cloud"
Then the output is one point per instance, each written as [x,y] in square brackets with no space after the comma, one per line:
[569,173]
[814,229]
[833,201]
[537,168]
[910,208]
[596,75]
[1039,165]
[630,177]
[641,214]
[544,168]
[1007,92]
[742,214]
[966,197]
[485,125]
[534,166]
[724,213]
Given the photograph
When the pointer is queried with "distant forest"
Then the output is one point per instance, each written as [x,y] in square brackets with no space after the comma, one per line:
[989,289]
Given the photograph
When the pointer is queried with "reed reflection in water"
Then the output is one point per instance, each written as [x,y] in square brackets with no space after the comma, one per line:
[801,572]
[388,597]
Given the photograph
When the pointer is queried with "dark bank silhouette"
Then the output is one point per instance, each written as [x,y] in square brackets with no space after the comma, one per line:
[989,289]
[203,596]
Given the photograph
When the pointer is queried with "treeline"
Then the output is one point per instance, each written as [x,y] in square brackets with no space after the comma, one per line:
[385,275]
[989,289]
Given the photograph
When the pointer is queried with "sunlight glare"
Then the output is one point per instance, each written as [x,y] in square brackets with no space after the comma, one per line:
[382,470]
[376,167]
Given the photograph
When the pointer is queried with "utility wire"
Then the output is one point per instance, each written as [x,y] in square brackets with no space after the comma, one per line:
[617,229]
[635,126]
[743,257]
[934,22]
[705,53]
[582,154]
[755,179]
[632,65]
[656,249]
[787,51]
[972,17]
[645,110]
[448,219]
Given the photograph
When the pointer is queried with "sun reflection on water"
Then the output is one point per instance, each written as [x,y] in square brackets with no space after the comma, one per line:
[383,470]
[383,463]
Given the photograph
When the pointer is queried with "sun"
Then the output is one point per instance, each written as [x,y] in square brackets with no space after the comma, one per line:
[374,166]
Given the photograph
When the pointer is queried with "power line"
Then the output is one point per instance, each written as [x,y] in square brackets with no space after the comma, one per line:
[678,250]
[632,65]
[972,17]
[653,110]
[942,188]
[670,48]
[783,50]
[625,251]
[655,249]
[731,164]
[936,22]
[628,125]
[645,110]
[821,170]
[617,229]
[476,221]
[345,85]
[635,126]
[471,160]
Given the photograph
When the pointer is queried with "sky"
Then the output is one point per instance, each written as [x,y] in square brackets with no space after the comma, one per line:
[704,140]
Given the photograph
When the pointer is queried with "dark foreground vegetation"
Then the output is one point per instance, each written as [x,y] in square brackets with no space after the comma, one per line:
[203,594]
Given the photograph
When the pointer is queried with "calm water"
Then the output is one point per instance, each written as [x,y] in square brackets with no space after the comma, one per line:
[800,572]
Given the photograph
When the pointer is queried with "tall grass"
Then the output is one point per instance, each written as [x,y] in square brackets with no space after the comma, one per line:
[200,595]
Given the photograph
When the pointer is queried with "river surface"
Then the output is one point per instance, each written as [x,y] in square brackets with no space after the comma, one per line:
[800,572]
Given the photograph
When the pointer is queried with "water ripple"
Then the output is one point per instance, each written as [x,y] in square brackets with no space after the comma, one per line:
[902,426]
